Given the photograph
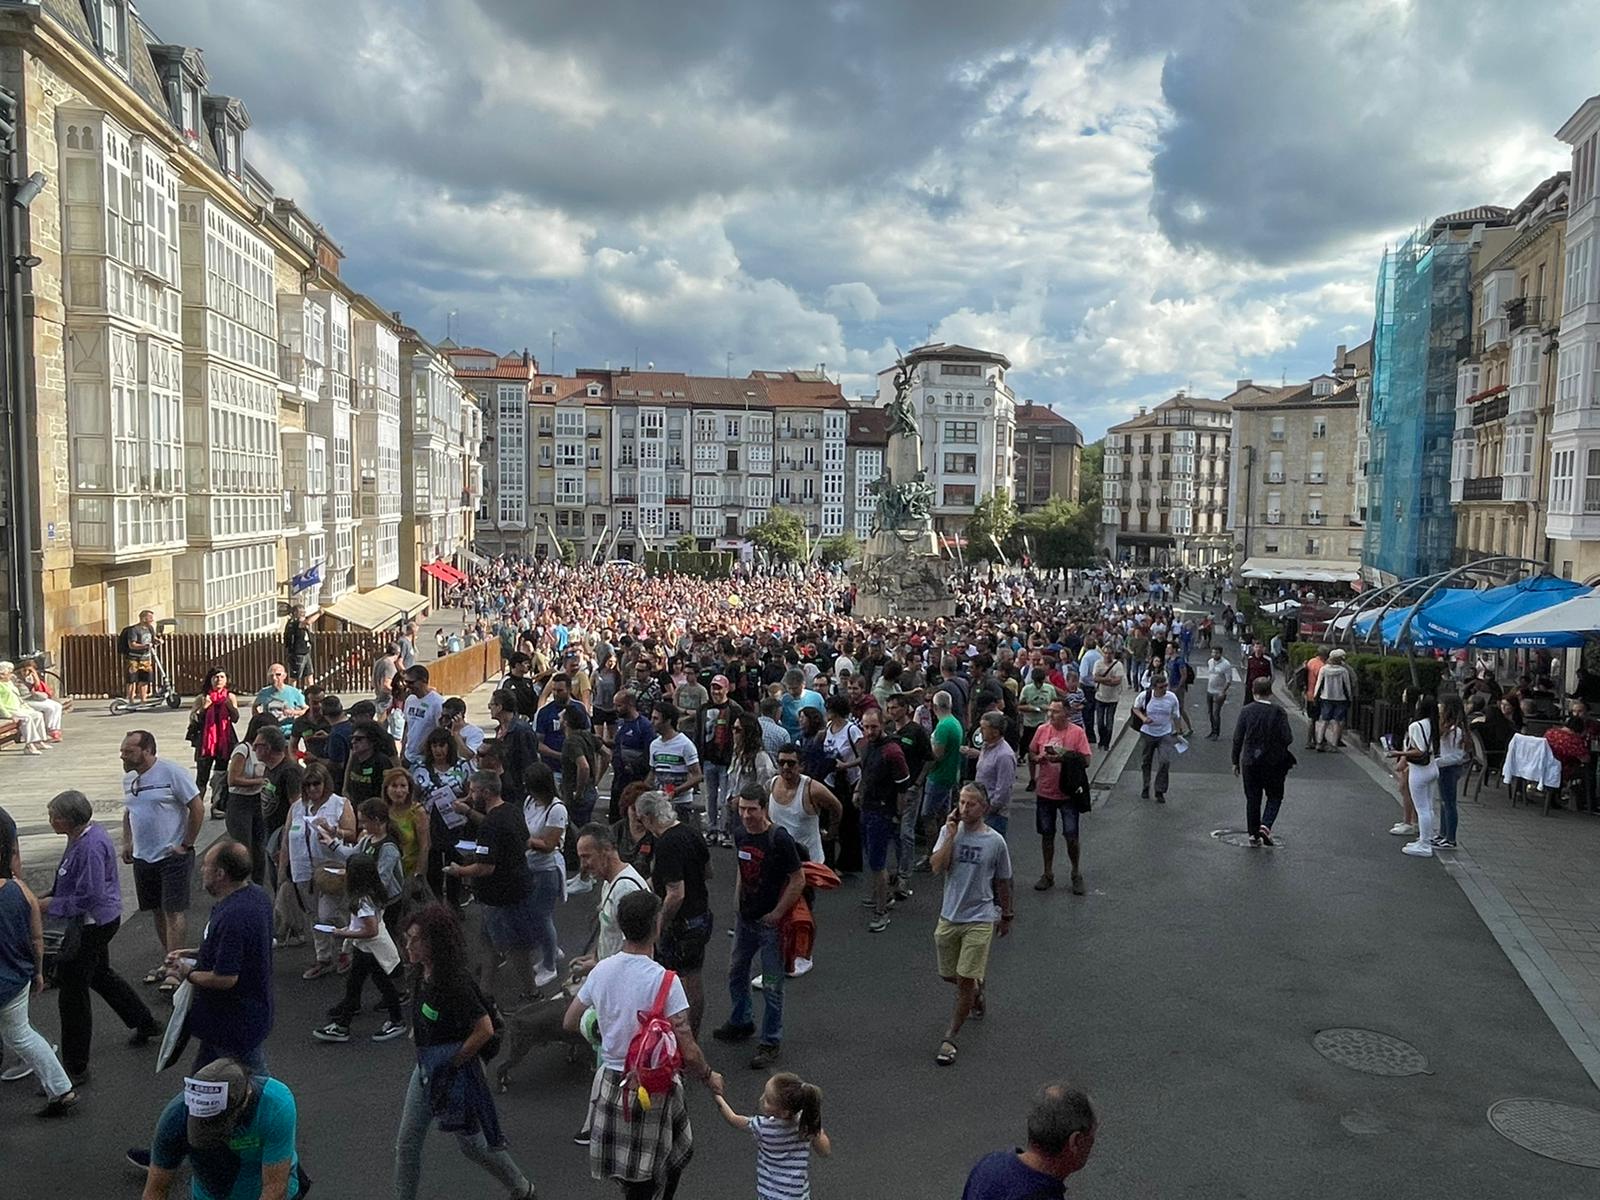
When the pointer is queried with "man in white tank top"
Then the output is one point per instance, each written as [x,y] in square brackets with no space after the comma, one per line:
[796,803]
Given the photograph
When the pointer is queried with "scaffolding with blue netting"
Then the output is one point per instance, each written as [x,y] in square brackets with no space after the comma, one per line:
[1424,312]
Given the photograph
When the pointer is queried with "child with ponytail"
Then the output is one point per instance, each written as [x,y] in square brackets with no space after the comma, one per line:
[787,1130]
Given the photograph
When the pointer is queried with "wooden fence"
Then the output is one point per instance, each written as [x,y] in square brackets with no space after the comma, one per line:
[459,673]
[91,667]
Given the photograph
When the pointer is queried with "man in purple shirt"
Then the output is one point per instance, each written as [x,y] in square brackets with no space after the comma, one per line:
[1061,1129]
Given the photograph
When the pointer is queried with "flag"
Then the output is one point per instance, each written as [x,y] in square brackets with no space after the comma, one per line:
[309,578]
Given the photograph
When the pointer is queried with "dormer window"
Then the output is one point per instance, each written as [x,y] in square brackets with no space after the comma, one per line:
[549,389]
[114,31]
[594,389]
[226,121]
[183,78]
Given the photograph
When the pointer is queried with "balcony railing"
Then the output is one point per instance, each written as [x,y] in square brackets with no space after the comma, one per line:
[1316,518]
[1316,477]
[1491,410]
[1525,310]
[1274,476]
[1272,518]
[1490,487]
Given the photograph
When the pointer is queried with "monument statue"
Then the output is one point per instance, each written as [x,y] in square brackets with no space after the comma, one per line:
[903,573]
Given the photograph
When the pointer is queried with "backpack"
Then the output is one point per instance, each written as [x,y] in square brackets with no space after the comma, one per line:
[654,1059]
[1188,675]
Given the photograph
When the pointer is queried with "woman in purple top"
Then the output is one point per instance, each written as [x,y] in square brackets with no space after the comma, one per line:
[87,886]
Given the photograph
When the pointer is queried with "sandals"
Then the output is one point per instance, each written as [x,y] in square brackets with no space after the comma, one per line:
[947,1053]
[168,985]
[317,970]
[1046,882]
[156,974]
[980,1003]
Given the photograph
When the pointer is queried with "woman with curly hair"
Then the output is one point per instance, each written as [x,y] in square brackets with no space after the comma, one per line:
[450,1024]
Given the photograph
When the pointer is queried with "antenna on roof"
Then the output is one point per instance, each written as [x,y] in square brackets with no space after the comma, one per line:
[730,364]
[1283,377]
[929,337]
[552,366]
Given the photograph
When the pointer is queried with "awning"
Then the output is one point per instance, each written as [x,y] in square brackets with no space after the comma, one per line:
[1306,570]
[1570,623]
[471,559]
[444,573]
[378,609]
[1453,617]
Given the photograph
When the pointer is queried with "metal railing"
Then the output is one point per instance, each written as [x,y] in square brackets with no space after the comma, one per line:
[1488,487]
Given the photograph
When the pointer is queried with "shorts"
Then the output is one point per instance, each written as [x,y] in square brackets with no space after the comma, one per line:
[300,666]
[1047,812]
[163,886]
[682,945]
[963,949]
[138,670]
[937,799]
[1334,710]
[878,829]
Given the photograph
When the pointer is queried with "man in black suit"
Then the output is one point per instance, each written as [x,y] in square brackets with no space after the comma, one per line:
[1261,755]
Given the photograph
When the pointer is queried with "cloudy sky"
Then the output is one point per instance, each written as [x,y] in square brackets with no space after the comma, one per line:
[1126,197]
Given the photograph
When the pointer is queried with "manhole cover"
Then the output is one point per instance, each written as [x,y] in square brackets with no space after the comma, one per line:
[1238,837]
[1563,1132]
[1370,1051]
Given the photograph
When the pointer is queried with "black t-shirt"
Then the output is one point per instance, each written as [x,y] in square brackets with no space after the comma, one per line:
[282,789]
[681,854]
[363,781]
[526,693]
[915,744]
[444,1011]
[503,841]
[766,861]
[8,843]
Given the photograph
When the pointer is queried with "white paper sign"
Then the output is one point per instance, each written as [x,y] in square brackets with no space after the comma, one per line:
[444,804]
[204,1098]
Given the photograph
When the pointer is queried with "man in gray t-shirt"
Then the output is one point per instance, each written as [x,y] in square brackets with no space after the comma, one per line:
[976,864]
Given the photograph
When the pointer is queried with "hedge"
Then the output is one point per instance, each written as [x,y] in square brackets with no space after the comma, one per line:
[707,564]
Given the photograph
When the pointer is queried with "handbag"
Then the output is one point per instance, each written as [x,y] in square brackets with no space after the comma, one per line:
[1135,721]
[63,942]
[1075,785]
[330,881]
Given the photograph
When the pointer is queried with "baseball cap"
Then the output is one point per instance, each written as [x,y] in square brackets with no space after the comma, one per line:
[215,1097]
[720,681]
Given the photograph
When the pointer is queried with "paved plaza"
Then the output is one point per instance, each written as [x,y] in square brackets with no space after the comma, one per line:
[1184,991]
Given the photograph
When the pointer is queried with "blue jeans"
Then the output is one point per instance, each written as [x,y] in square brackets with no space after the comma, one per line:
[415,1118]
[1089,710]
[999,822]
[748,938]
[1448,777]
[547,891]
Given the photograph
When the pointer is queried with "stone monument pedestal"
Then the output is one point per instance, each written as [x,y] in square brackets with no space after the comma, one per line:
[904,578]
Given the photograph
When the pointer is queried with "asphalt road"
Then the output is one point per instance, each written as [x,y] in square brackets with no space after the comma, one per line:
[1183,992]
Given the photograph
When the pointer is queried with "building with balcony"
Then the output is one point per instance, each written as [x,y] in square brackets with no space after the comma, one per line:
[330,419]
[439,507]
[1505,386]
[968,419]
[1572,524]
[1048,450]
[1293,477]
[375,445]
[1424,313]
[866,448]
[1164,489]
[503,388]
[571,465]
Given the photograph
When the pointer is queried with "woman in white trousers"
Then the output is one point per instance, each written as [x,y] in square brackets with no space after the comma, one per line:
[1421,753]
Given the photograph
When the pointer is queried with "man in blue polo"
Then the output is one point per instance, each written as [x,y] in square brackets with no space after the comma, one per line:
[1061,1130]
[236,1130]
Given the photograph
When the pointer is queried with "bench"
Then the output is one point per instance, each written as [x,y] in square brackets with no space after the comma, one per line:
[9,731]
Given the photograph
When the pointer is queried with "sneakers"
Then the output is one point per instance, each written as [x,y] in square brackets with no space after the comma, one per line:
[924,866]
[1077,885]
[141,1037]
[1401,829]
[390,1031]
[1417,849]
[21,1070]
[581,1138]
[544,977]
[729,1032]
[578,885]
[345,963]
[765,1056]
[801,967]
[1265,835]
[901,892]
[878,924]
[317,970]
[139,1156]
[332,1032]
[1444,844]
[869,902]
[294,939]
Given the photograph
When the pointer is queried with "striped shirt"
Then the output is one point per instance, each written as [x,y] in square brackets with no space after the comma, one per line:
[783,1159]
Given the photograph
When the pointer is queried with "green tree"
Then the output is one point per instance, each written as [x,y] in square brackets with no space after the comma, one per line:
[841,548]
[782,536]
[1091,470]
[991,525]
[686,544]
[568,551]
[1061,534]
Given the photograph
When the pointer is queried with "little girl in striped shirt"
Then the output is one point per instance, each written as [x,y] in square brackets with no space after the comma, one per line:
[787,1130]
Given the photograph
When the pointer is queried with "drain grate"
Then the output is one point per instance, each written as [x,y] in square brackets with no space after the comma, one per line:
[1370,1051]
[1238,837]
[1562,1132]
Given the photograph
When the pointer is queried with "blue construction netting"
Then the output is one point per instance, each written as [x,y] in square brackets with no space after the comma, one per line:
[1424,312]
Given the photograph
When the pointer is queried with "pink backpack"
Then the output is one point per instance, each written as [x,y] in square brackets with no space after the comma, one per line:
[654,1060]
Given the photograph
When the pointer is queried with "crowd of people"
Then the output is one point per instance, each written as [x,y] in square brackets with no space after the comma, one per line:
[644,724]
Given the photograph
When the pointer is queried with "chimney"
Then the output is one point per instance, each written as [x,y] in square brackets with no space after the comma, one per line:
[1026,404]
[1338,355]
[524,356]
[1141,410]
[1241,384]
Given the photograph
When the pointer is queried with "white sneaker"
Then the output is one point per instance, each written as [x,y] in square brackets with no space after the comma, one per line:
[1404,830]
[544,977]
[577,885]
[755,982]
[801,966]
[1417,849]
